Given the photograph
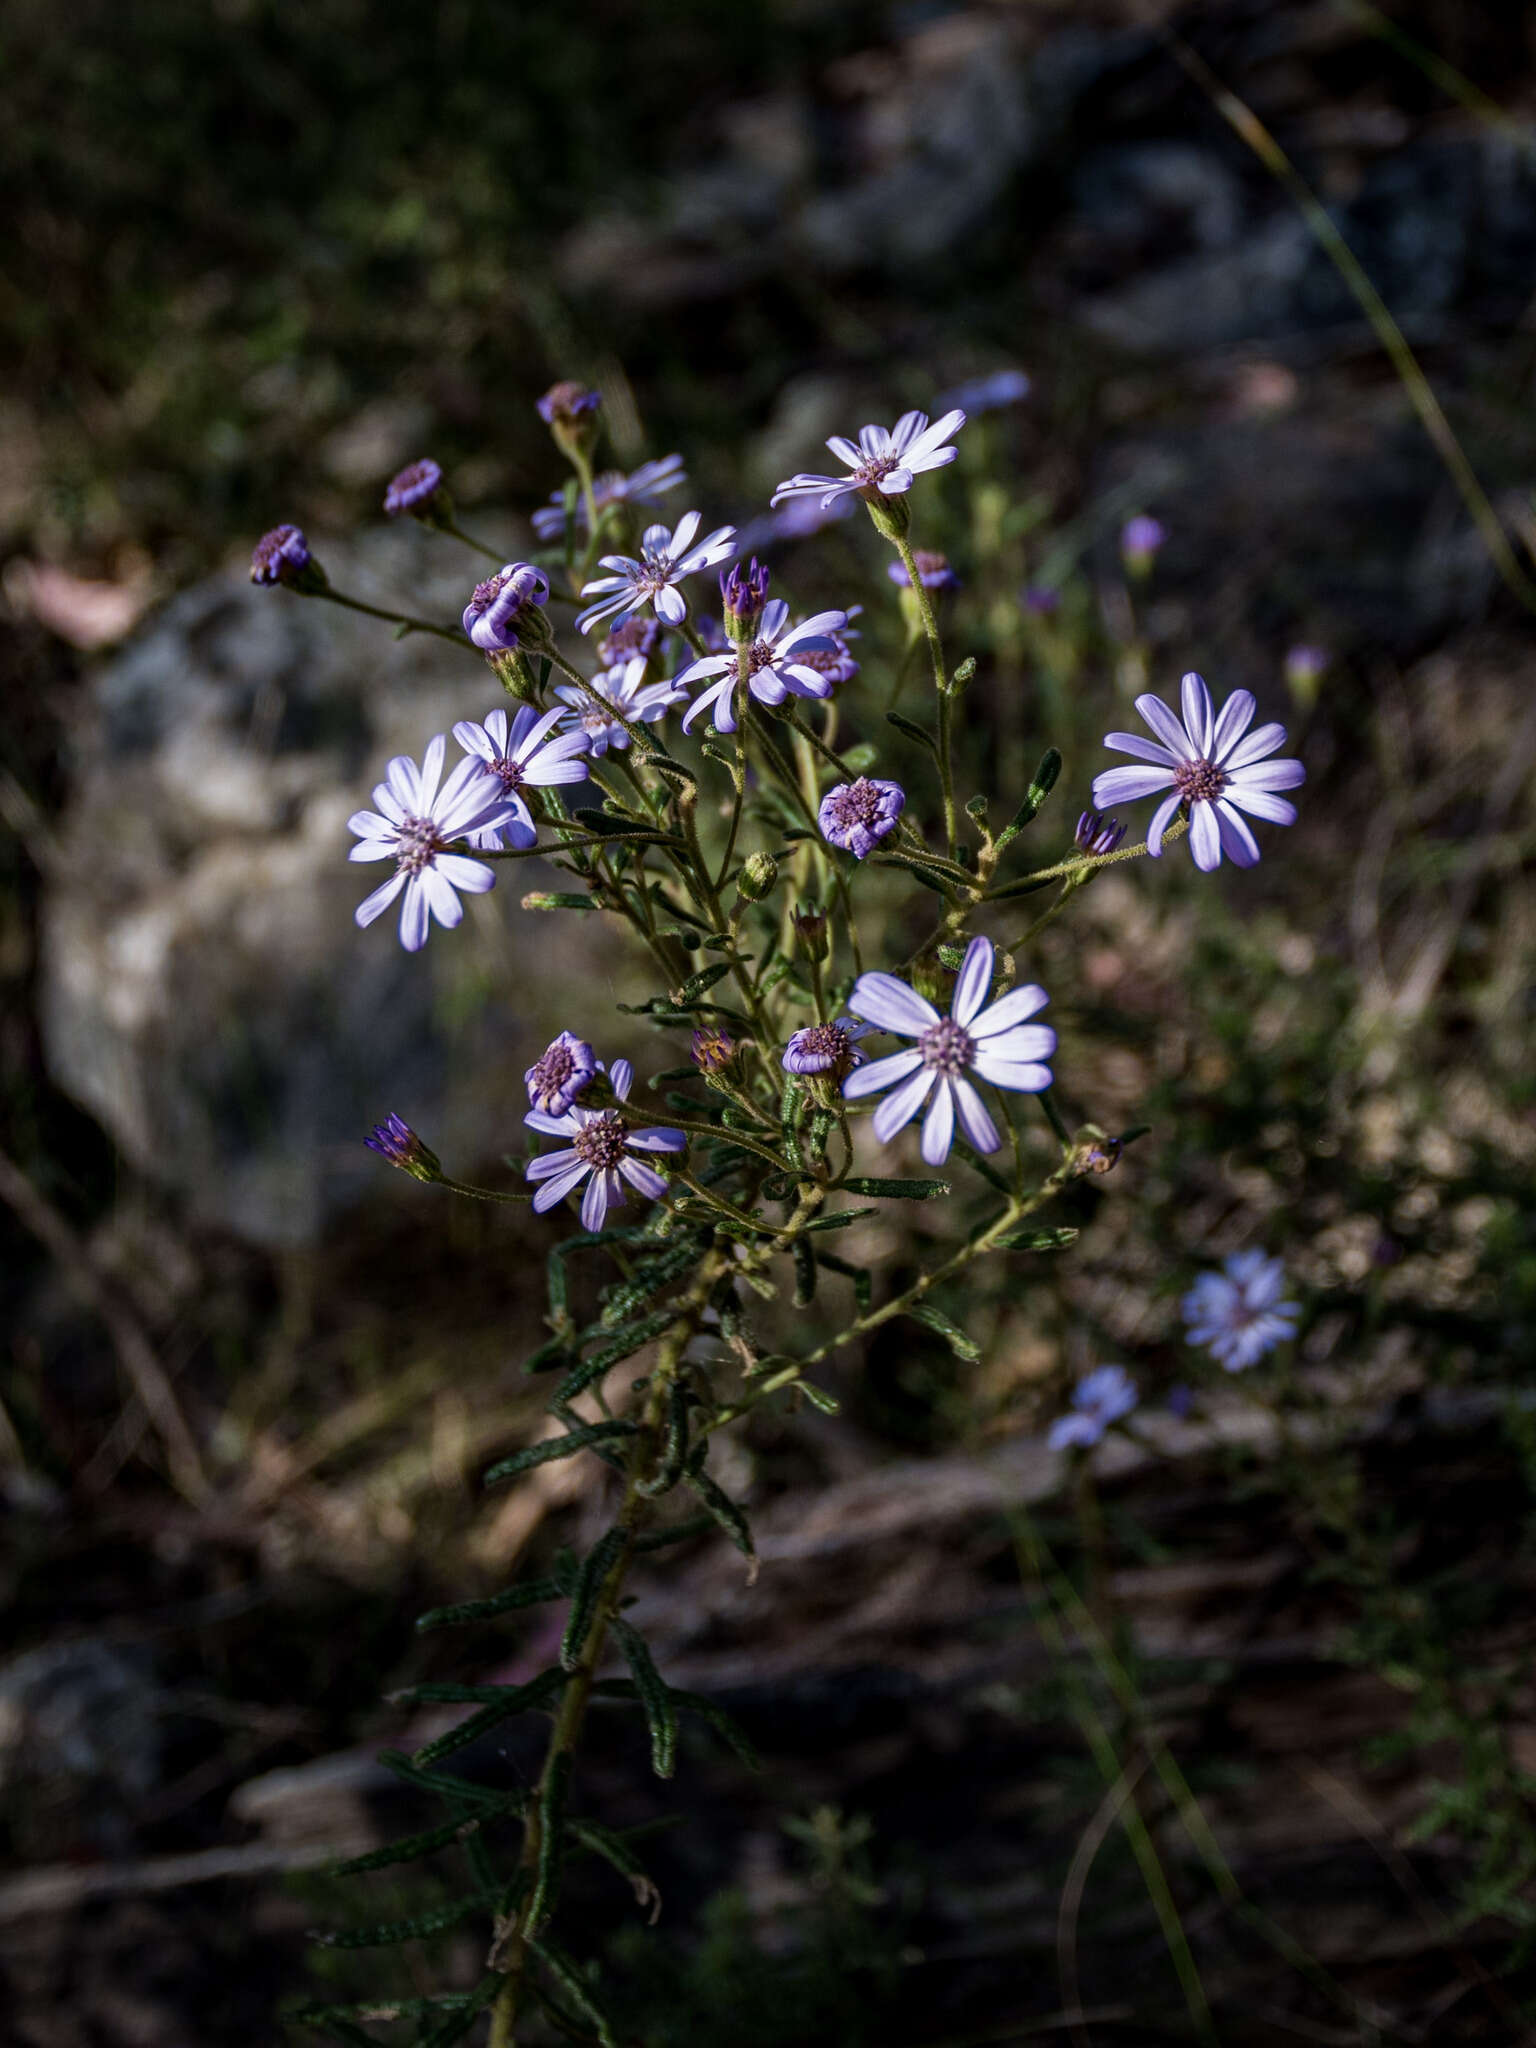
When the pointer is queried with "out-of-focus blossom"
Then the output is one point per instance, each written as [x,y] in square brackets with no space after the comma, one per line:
[1141,539]
[933,570]
[282,556]
[568,401]
[414,488]
[991,393]
[643,486]
[1237,1314]
[1305,667]
[1099,1398]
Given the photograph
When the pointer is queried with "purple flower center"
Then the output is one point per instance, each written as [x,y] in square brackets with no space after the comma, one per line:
[947,1047]
[635,636]
[866,478]
[600,1143]
[486,593]
[823,1041]
[760,655]
[1199,782]
[508,773]
[551,1071]
[418,841]
[857,804]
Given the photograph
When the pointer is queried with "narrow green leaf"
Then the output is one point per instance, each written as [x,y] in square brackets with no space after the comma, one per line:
[546,1878]
[407,1849]
[568,1975]
[389,1933]
[699,985]
[528,1595]
[518,1700]
[725,1511]
[725,1725]
[1044,782]
[616,1851]
[819,1397]
[1036,1240]
[586,1592]
[463,1792]
[556,899]
[805,1273]
[660,1711]
[895,1190]
[913,731]
[935,1319]
[545,1453]
[842,1219]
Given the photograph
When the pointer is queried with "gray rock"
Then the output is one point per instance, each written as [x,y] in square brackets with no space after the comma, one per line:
[79,1746]
[204,990]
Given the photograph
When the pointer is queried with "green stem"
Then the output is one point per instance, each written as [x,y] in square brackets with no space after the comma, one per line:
[930,621]
[355,604]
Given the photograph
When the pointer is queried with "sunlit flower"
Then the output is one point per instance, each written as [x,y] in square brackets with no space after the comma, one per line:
[997,1044]
[643,486]
[528,751]
[1096,834]
[413,488]
[415,825]
[666,557]
[857,815]
[885,461]
[1099,1398]
[1210,766]
[1237,1314]
[603,1142]
[775,667]
[826,1048]
[560,1073]
[503,612]
[395,1141]
[280,556]
[622,689]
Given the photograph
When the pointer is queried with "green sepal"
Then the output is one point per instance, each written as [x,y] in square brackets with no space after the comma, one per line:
[585,1593]
[529,1595]
[586,1437]
[660,1709]
[895,1190]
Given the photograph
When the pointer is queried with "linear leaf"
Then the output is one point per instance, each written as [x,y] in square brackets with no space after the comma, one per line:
[932,1318]
[389,1933]
[660,1710]
[546,1878]
[725,1511]
[594,1570]
[407,1849]
[895,1190]
[528,1595]
[519,1700]
[583,1438]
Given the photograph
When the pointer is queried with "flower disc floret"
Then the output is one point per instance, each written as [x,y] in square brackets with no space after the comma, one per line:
[601,1152]
[777,666]
[857,815]
[666,557]
[1213,765]
[1099,1398]
[826,1048]
[884,462]
[416,825]
[560,1073]
[976,1042]
[527,750]
[1237,1314]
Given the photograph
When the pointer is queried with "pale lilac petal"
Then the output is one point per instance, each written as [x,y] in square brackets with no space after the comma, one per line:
[603,1191]
[1023,1044]
[1204,836]
[906,431]
[645,1178]
[972,982]
[1022,1078]
[878,1074]
[432,770]
[718,700]
[555,1191]
[375,849]
[1009,1011]
[939,1125]
[415,915]
[389,804]
[369,825]
[1268,775]
[375,905]
[1125,785]
[844,450]
[899,1108]
[682,534]
[898,480]
[1166,726]
[707,665]
[931,459]
[441,898]
[622,1075]
[565,1125]
[976,1127]
[1144,750]
[1162,818]
[663,1140]
[671,605]
[549,1163]
[1236,717]
[472,876]
[1196,700]
[1261,741]
[1238,843]
[814,628]
[403,779]
[882,999]
[1261,803]
[943,429]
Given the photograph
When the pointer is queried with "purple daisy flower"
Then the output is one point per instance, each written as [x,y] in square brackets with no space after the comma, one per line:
[643,486]
[1211,767]
[395,1141]
[857,815]
[602,1142]
[987,394]
[504,610]
[560,1073]
[774,664]
[1099,1398]
[635,636]
[666,557]
[933,571]
[826,1049]
[414,487]
[995,1043]
[528,750]
[743,592]
[884,462]
[623,689]
[280,556]
[1237,1313]
[415,825]
[1096,834]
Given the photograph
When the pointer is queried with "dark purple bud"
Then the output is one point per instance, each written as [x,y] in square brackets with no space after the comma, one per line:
[811,930]
[744,592]
[395,1141]
[712,1049]
[415,489]
[933,571]
[282,556]
[1042,600]
[503,614]
[1096,834]
[858,815]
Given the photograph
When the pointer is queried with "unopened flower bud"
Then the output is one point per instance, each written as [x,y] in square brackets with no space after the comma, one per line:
[1305,668]
[811,930]
[1096,834]
[744,594]
[418,489]
[1140,540]
[712,1049]
[759,872]
[282,556]
[1093,1152]
[395,1141]
[569,410]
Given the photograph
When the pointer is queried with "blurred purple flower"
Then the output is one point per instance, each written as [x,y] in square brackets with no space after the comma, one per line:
[1211,767]
[567,402]
[644,486]
[280,556]
[933,571]
[1237,1314]
[602,1144]
[996,1043]
[1099,1398]
[413,488]
[1140,540]
[987,394]
[621,689]
[1042,599]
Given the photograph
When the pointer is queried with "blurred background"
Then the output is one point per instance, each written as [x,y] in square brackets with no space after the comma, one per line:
[256,259]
